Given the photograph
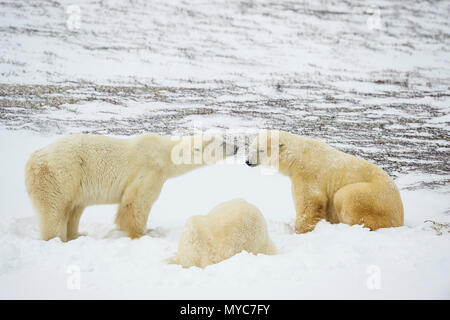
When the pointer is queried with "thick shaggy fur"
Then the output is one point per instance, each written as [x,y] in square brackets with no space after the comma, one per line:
[329,184]
[82,170]
[228,229]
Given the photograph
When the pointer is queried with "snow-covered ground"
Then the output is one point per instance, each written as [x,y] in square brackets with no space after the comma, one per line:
[333,261]
[374,86]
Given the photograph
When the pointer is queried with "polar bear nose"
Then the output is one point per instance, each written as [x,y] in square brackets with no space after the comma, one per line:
[249,163]
[236,148]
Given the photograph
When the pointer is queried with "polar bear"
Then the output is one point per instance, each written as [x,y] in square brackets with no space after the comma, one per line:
[329,184]
[229,228]
[83,169]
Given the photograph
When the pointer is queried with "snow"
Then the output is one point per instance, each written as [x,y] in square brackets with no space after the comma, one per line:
[324,69]
[333,261]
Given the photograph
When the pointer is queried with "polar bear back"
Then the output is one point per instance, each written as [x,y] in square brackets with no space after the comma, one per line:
[229,228]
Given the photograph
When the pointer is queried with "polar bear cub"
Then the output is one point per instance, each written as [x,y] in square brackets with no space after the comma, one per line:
[229,228]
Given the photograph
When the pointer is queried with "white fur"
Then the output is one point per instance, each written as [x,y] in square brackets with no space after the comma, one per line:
[82,170]
[228,229]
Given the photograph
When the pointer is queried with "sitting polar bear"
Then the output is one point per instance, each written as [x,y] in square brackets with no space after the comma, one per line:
[82,170]
[329,184]
[229,228]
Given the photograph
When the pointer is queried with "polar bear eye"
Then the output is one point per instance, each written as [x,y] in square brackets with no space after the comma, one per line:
[197,149]
[261,150]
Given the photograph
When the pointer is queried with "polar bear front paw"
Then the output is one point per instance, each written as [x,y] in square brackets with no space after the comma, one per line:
[304,227]
[77,235]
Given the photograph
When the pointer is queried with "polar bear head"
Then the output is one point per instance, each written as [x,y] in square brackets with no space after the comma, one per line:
[268,148]
[191,152]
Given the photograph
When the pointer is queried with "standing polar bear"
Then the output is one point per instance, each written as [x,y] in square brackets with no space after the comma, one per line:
[82,170]
[229,228]
[329,184]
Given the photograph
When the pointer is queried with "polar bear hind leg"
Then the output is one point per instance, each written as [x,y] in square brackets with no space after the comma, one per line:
[73,222]
[52,203]
[362,203]
[53,214]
